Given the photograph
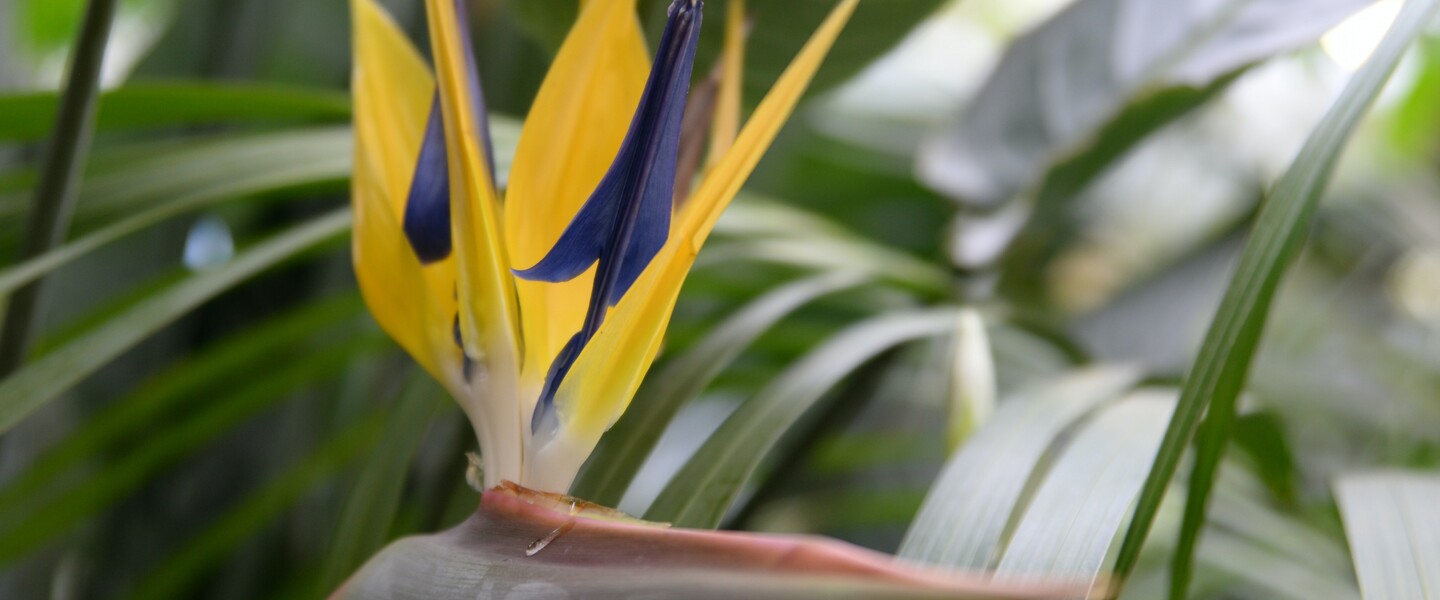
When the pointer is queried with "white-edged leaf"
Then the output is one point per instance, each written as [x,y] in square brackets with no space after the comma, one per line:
[1070,525]
[1392,520]
[1274,574]
[968,507]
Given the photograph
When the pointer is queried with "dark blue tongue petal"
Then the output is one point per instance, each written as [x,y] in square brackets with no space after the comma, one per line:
[427,210]
[626,220]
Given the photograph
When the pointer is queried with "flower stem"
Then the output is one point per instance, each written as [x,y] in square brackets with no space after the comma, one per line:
[55,191]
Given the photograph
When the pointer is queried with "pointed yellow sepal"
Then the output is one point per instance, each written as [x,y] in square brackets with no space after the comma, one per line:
[609,370]
[392,90]
[571,135]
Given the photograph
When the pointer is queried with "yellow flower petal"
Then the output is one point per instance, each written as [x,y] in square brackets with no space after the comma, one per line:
[572,133]
[609,371]
[732,82]
[393,89]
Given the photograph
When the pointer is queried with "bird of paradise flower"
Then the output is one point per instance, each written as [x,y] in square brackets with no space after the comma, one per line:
[541,311]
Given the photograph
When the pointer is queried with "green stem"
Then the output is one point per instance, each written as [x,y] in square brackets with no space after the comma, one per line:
[55,191]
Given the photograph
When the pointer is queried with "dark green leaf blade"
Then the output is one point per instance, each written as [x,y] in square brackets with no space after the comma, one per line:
[373,501]
[171,578]
[701,493]
[28,116]
[42,380]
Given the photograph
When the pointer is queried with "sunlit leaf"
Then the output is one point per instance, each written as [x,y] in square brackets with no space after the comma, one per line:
[1080,508]
[1394,531]
[1079,90]
[968,508]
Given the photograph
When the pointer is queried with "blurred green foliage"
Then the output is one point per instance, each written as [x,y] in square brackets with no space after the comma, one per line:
[244,430]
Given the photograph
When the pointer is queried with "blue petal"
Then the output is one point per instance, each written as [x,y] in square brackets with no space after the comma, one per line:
[427,211]
[626,220]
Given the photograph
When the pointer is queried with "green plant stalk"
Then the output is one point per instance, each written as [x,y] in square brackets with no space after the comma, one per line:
[1223,363]
[1210,442]
[55,192]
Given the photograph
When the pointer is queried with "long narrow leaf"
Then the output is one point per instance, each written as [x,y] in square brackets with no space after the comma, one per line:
[171,578]
[973,500]
[373,501]
[41,381]
[28,116]
[703,490]
[232,360]
[1393,525]
[238,185]
[1070,526]
[626,446]
[1223,363]
[40,518]
[53,205]
[126,185]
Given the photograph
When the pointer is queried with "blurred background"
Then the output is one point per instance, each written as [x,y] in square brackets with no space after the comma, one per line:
[221,413]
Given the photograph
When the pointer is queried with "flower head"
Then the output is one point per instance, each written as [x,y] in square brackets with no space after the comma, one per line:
[541,313]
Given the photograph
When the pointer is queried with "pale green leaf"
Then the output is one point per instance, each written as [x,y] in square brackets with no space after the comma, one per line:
[1068,528]
[1393,524]
[969,506]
